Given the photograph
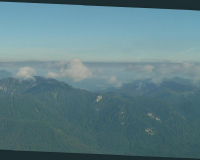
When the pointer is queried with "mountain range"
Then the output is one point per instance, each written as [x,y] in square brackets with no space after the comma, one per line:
[140,118]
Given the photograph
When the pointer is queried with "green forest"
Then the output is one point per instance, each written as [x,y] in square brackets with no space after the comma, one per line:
[48,115]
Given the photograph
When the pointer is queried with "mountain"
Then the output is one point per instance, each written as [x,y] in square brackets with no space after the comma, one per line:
[48,115]
[180,93]
[4,74]
[176,86]
[174,90]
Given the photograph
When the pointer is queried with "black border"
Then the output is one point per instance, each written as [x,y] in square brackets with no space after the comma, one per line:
[160,4]
[10,154]
[163,4]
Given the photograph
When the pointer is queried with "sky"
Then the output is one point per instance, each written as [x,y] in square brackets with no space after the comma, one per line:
[93,47]
[55,32]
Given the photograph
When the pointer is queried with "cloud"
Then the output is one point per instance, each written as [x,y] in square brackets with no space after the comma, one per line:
[148,68]
[189,69]
[113,80]
[26,73]
[157,81]
[74,69]
[52,75]
[166,69]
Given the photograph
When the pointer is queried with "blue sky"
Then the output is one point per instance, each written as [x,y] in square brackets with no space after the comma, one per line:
[62,32]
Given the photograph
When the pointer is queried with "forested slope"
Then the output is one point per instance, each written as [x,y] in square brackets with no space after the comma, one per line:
[48,115]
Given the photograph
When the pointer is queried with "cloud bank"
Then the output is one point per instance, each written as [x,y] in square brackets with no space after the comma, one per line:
[162,70]
[76,70]
[191,69]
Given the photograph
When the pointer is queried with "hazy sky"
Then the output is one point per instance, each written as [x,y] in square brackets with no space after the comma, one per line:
[63,32]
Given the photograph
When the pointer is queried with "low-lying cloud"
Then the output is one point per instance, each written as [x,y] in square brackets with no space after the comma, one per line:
[113,80]
[157,80]
[78,72]
[74,69]
[52,75]
[162,70]
[191,69]
[25,73]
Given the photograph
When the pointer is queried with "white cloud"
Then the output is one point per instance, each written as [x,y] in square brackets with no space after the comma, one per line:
[78,71]
[167,69]
[186,68]
[157,80]
[52,75]
[148,68]
[25,73]
[75,69]
[113,80]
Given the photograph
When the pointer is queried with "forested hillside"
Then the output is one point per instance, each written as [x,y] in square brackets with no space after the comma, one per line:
[48,115]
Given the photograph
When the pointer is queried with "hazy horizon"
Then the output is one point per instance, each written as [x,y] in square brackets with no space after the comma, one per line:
[96,76]
[94,45]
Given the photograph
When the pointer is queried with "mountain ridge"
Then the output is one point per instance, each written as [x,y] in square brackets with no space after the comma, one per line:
[80,121]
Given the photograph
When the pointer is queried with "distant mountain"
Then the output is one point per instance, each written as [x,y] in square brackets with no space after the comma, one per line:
[182,81]
[4,74]
[169,88]
[48,115]
[181,93]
